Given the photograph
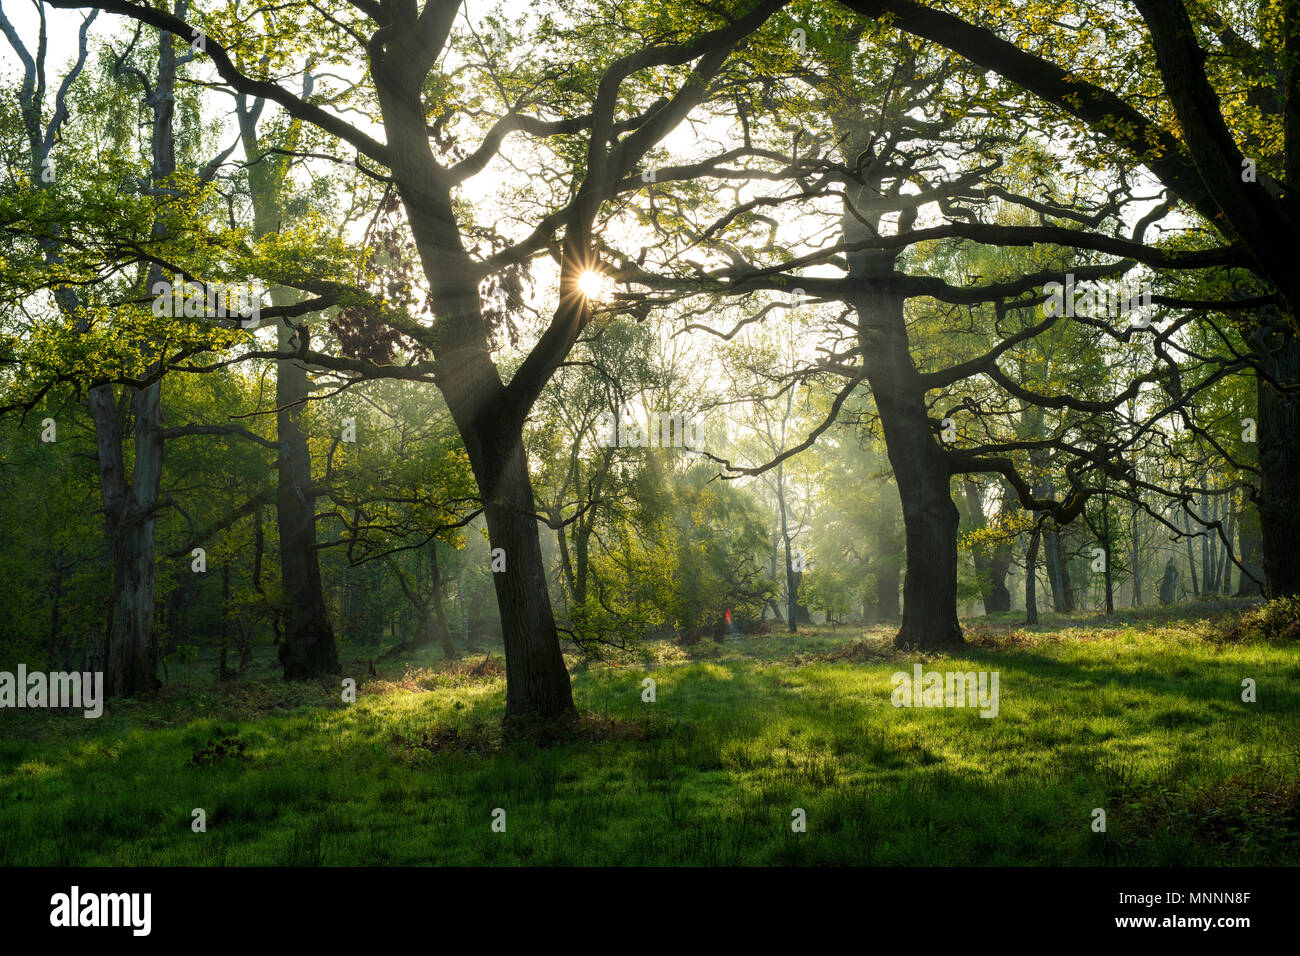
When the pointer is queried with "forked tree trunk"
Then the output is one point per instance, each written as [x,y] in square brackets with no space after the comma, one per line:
[920,467]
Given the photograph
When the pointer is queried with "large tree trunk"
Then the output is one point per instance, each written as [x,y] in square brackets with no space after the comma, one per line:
[537,682]
[489,415]
[930,518]
[308,649]
[131,653]
[1279,467]
[307,646]
[921,471]
[538,689]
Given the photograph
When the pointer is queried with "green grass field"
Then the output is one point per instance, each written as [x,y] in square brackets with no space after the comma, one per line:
[1143,719]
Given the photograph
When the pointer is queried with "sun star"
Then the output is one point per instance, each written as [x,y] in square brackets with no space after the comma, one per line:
[591,284]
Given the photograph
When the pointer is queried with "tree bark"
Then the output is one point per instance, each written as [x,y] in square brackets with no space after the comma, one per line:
[308,649]
[439,612]
[888,575]
[929,517]
[1058,571]
[1191,555]
[1279,466]
[1248,532]
[990,568]
[1135,550]
[1031,577]
[537,682]
[1207,583]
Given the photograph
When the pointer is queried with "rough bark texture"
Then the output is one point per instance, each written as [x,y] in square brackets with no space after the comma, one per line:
[488,415]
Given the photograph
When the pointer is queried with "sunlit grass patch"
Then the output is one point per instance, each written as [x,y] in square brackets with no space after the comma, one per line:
[1145,721]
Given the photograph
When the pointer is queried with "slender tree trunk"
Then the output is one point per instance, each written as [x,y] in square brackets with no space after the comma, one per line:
[791,583]
[1206,583]
[888,577]
[1109,575]
[223,670]
[1248,532]
[1031,577]
[54,645]
[566,562]
[1136,557]
[464,608]
[439,613]
[1058,572]
[307,645]
[1225,564]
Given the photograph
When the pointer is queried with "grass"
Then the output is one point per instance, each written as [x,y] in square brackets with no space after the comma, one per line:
[1141,717]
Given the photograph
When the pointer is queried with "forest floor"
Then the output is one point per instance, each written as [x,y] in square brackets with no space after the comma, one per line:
[1140,715]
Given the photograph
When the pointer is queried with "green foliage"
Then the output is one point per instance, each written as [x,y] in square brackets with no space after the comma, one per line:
[1142,721]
